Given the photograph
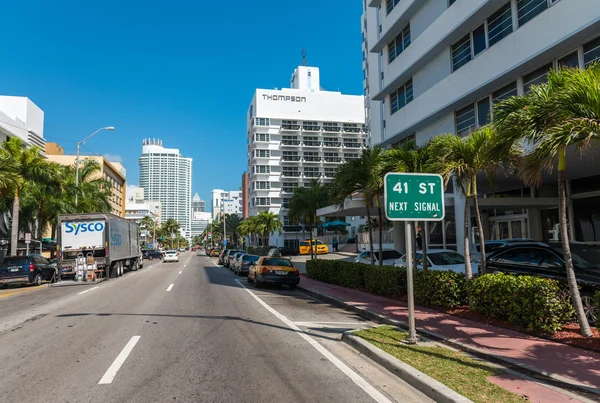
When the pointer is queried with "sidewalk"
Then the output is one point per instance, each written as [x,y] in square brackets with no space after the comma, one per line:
[561,362]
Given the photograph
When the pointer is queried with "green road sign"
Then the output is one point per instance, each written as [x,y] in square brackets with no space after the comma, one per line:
[414,197]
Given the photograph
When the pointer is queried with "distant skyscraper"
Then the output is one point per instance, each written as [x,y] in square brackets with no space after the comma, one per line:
[198,205]
[166,176]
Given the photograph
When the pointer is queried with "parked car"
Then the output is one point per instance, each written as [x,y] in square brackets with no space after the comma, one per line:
[548,261]
[440,259]
[318,247]
[243,264]
[152,254]
[274,252]
[181,249]
[389,257]
[32,269]
[235,260]
[273,270]
[215,253]
[229,257]
[171,256]
[492,246]
[287,251]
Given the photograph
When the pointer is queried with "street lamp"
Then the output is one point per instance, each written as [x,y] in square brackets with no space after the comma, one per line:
[79,143]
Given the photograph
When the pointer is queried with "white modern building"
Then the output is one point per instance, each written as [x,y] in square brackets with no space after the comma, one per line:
[297,134]
[198,205]
[166,177]
[20,117]
[439,66]
[137,207]
[228,202]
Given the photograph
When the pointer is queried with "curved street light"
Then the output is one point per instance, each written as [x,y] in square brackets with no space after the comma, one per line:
[79,143]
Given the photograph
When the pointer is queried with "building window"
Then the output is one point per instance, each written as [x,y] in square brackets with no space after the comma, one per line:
[504,92]
[527,9]
[399,44]
[536,77]
[262,201]
[465,120]
[390,4]
[262,169]
[450,2]
[401,97]
[261,122]
[262,153]
[570,60]
[591,52]
[499,24]
[461,52]
[261,185]
[261,137]
[483,111]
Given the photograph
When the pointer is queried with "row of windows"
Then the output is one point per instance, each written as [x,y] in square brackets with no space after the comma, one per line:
[478,114]
[401,97]
[496,27]
[313,125]
[261,169]
[261,137]
[262,153]
[261,185]
[399,44]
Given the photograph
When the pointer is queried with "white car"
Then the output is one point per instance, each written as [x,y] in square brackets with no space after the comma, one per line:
[389,257]
[171,256]
[440,259]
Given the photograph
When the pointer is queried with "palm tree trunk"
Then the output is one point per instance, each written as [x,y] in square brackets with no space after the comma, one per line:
[370,235]
[468,268]
[564,237]
[380,213]
[310,235]
[424,247]
[14,224]
[479,229]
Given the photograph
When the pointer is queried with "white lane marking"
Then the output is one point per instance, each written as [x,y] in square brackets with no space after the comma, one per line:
[83,292]
[356,378]
[184,265]
[170,287]
[111,372]
[328,323]
[181,272]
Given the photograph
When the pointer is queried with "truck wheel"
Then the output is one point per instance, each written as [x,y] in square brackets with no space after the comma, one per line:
[120,269]
[135,266]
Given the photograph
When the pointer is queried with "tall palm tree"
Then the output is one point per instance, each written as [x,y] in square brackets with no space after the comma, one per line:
[564,112]
[232,224]
[267,223]
[304,205]
[9,174]
[149,224]
[170,227]
[463,158]
[29,166]
[94,192]
[408,157]
[357,176]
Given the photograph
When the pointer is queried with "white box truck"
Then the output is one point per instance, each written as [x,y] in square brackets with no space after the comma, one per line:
[112,241]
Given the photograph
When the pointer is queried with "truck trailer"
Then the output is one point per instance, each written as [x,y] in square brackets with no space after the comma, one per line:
[112,243]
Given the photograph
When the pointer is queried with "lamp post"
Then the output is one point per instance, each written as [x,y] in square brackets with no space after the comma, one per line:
[79,143]
[224,230]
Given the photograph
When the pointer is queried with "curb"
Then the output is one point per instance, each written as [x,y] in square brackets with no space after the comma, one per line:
[536,373]
[424,383]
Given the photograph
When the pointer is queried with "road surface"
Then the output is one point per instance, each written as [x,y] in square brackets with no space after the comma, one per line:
[187,331]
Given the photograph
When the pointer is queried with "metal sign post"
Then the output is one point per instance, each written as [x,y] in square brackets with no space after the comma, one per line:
[412,197]
[27,242]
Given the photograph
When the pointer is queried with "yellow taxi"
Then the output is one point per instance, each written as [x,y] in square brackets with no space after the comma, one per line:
[319,247]
[273,270]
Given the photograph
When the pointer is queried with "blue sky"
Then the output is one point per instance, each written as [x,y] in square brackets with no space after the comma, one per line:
[182,71]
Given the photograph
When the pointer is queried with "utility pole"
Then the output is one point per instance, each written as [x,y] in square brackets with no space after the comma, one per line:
[223,212]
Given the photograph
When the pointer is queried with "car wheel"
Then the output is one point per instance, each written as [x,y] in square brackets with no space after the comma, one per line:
[256,283]
[590,308]
[38,280]
[248,279]
[292,286]
[150,257]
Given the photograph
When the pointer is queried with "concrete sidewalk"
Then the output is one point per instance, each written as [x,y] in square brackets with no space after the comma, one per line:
[565,364]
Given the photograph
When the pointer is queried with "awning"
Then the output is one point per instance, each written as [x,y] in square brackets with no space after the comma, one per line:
[334,224]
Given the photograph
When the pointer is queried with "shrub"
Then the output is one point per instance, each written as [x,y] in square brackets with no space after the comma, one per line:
[346,274]
[534,303]
[445,289]
[387,281]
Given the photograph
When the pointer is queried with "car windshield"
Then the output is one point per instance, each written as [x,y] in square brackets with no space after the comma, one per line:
[303,243]
[446,258]
[249,258]
[15,261]
[584,256]
[389,255]
[171,252]
[277,262]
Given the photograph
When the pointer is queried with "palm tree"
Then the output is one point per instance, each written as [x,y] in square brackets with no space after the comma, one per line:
[232,224]
[267,223]
[463,158]
[564,112]
[9,174]
[170,227]
[408,157]
[27,165]
[149,224]
[357,176]
[94,192]
[304,205]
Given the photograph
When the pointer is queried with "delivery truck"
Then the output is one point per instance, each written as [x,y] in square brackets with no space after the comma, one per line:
[108,242]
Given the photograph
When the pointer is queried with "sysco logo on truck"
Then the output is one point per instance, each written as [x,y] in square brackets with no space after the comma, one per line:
[76,228]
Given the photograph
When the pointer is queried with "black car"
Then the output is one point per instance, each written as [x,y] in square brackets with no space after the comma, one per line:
[287,251]
[153,254]
[32,269]
[547,261]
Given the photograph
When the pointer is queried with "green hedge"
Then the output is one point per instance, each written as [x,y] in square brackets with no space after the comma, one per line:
[598,306]
[534,303]
[445,289]
[387,281]
[259,250]
[339,272]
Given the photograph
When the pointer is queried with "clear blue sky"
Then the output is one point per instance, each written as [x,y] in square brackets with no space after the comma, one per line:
[182,71]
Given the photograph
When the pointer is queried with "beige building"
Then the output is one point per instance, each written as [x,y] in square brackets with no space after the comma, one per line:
[113,172]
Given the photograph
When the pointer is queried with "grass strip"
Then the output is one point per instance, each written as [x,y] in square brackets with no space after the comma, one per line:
[454,369]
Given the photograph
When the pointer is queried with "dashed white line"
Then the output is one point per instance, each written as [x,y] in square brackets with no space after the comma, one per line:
[111,372]
[170,287]
[184,265]
[88,290]
[181,272]
[356,378]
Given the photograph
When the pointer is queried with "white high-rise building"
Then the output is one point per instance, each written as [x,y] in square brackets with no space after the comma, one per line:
[228,202]
[439,66]
[166,176]
[20,117]
[297,134]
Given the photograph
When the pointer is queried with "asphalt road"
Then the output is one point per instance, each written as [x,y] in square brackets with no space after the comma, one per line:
[187,331]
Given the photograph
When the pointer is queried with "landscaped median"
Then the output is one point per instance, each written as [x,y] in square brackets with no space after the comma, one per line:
[464,375]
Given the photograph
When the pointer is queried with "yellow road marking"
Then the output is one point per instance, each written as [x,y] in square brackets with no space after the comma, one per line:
[10,293]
